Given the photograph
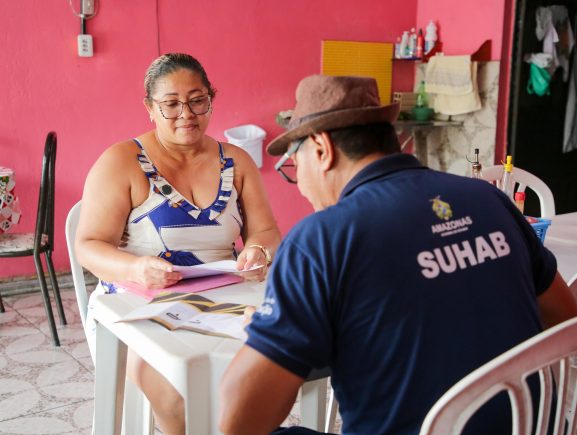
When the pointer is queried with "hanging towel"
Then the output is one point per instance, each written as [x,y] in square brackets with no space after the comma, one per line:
[570,130]
[453,80]
[553,27]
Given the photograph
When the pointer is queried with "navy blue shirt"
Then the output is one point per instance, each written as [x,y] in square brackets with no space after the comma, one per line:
[411,281]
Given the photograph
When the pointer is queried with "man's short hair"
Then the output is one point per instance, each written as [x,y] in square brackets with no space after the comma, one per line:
[360,140]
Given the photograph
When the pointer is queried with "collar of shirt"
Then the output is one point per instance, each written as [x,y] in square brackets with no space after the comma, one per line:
[381,168]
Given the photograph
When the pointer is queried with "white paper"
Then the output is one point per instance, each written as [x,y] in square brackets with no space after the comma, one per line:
[178,315]
[208,269]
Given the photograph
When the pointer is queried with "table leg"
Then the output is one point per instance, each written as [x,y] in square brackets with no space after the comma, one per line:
[109,376]
[420,144]
[313,404]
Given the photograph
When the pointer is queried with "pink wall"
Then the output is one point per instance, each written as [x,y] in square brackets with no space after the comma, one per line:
[254,51]
[464,24]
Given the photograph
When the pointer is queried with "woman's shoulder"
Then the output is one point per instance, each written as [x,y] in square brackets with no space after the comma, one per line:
[241,158]
[120,157]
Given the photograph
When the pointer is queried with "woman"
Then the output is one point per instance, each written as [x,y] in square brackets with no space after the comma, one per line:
[172,195]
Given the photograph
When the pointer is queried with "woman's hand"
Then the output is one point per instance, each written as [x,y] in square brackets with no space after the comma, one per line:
[154,272]
[250,257]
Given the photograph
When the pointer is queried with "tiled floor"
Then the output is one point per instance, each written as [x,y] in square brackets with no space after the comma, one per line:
[45,389]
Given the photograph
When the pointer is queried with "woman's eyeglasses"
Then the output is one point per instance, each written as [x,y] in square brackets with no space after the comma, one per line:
[287,169]
[172,109]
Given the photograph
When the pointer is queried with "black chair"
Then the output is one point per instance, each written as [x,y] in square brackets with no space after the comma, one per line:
[42,240]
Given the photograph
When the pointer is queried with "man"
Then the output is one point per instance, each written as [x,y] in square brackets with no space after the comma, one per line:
[403,281]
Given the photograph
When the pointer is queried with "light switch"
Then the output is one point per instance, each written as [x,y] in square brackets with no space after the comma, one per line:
[85,46]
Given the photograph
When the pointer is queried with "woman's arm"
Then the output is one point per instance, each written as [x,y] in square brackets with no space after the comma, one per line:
[106,204]
[259,226]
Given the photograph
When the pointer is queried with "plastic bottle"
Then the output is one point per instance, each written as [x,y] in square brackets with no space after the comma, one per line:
[419,47]
[398,48]
[506,185]
[412,43]
[520,201]
[476,168]
[422,97]
[430,36]
[404,45]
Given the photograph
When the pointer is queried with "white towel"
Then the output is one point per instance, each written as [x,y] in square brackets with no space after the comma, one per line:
[453,80]
[450,75]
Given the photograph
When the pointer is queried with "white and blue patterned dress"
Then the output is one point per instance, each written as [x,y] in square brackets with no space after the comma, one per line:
[169,226]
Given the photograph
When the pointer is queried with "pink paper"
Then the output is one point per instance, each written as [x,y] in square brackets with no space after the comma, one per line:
[193,285]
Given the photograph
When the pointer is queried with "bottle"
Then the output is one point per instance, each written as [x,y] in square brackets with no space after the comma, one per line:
[430,36]
[404,45]
[398,48]
[476,168]
[506,184]
[412,43]
[520,201]
[419,47]
[422,98]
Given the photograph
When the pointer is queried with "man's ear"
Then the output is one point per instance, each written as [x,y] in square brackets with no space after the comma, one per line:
[324,150]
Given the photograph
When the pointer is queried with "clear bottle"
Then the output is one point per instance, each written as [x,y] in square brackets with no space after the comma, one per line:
[398,48]
[476,168]
[430,36]
[422,97]
[520,201]
[404,45]
[412,43]
[506,184]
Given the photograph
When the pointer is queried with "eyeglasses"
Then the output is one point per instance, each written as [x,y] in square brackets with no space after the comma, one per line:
[172,109]
[288,170]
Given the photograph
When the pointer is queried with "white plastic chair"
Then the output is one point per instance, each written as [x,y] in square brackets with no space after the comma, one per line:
[546,352]
[523,179]
[137,412]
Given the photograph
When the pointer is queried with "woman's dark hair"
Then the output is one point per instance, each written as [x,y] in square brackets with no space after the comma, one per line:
[169,63]
[361,140]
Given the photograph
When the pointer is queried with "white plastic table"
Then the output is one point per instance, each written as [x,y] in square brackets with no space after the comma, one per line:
[193,363]
[561,239]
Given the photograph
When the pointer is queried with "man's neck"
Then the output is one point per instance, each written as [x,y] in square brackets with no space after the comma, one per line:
[347,169]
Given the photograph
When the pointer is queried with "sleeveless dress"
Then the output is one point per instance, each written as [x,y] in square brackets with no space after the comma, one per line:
[169,226]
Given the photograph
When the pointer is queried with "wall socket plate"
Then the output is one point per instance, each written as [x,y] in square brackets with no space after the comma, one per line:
[87,7]
[85,48]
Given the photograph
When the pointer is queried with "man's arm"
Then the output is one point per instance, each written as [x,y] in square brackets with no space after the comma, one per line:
[256,394]
[557,303]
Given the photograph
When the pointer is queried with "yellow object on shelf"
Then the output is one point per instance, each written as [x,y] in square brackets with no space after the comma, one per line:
[367,59]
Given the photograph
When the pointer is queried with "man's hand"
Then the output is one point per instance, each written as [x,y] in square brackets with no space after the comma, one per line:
[248,312]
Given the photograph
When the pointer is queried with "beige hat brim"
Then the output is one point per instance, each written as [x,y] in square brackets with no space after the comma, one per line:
[332,121]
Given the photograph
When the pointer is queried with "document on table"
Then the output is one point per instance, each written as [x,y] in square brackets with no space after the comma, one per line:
[214,268]
[195,313]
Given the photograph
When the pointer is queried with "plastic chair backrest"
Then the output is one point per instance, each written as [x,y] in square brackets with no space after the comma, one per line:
[524,179]
[76,268]
[550,350]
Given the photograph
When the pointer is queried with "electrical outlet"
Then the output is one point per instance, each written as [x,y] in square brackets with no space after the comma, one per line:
[87,7]
[85,48]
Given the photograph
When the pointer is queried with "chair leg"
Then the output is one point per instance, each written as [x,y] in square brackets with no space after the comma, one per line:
[333,408]
[55,287]
[46,297]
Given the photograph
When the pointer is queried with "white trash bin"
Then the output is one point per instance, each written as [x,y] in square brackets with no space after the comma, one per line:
[250,138]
